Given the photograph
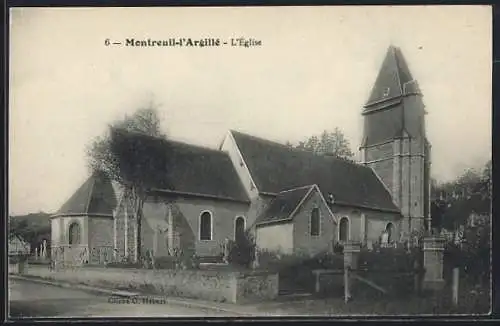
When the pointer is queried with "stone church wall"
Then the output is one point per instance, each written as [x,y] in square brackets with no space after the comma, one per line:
[186,214]
[303,241]
[100,239]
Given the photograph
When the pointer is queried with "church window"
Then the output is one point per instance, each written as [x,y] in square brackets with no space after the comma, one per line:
[344,229]
[74,233]
[315,222]
[206,226]
[239,228]
[389,229]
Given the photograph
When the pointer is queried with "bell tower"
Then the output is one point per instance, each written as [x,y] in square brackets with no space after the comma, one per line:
[394,140]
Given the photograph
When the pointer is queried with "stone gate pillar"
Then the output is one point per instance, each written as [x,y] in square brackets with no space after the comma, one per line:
[351,254]
[433,247]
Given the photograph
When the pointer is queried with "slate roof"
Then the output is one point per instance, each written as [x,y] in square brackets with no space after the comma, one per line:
[187,169]
[283,205]
[275,167]
[94,197]
[393,74]
[395,122]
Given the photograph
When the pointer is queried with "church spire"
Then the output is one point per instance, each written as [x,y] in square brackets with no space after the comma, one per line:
[392,78]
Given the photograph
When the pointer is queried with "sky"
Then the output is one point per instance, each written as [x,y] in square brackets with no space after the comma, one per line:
[313,72]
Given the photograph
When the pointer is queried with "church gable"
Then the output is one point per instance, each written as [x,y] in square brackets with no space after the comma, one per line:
[283,206]
[230,147]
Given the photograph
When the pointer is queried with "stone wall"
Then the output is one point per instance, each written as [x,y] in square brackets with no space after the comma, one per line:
[221,286]
[256,287]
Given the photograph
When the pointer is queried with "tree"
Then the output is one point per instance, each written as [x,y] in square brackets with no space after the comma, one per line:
[328,143]
[469,193]
[128,155]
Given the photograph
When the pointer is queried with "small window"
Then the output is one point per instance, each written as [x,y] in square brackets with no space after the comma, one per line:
[315,222]
[74,233]
[206,226]
[386,91]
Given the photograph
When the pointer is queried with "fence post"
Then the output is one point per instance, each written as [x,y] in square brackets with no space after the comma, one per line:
[433,263]
[455,285]
[347,290]
[351,254]
[417,276]
[317,284]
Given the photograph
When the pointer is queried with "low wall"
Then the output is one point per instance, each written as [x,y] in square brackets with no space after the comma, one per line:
[212,285]
[256,286]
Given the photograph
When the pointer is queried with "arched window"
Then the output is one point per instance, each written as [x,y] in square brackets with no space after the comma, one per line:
[389,229]
[239,228]
[206,226]
[74,233]
[315,222]
[344,229]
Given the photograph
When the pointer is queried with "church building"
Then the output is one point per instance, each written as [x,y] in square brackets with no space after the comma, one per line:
[291,200]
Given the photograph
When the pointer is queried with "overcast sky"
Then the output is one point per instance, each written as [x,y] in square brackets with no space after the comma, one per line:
[314,71]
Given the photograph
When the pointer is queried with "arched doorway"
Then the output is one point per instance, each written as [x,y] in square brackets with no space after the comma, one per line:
[389,229]
[74,233]
[344,229]
[239,228]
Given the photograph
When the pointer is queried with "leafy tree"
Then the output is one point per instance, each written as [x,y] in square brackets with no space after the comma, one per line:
[469,193]
[32,228]
[328,143]
[472,251]
[129,155]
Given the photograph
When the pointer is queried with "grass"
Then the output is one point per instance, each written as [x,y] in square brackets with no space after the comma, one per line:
[367,302]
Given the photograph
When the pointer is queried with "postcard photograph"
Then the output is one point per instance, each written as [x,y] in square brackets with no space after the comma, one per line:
[249,161]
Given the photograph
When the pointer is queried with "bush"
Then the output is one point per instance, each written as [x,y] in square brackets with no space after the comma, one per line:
[338,248]
[242,251]
[394,259]
[472,254]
